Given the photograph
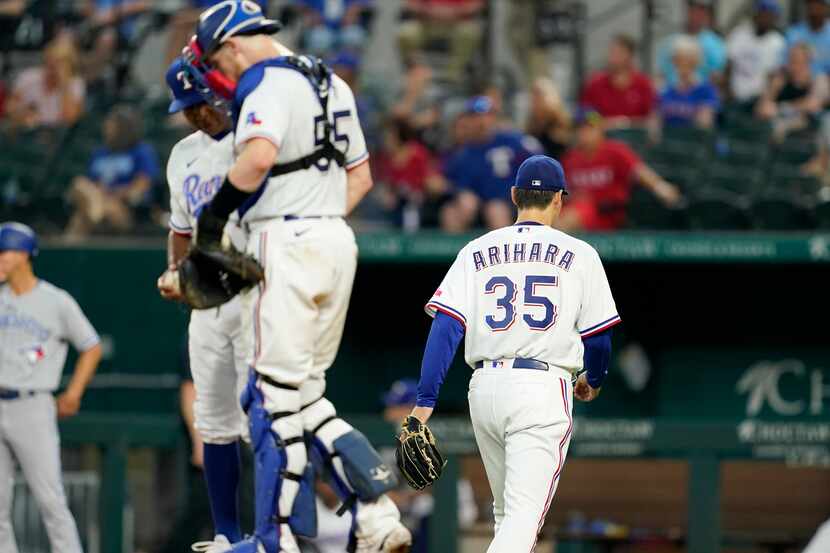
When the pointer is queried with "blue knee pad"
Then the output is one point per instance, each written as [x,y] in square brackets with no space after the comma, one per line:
[368,476]
[269,472]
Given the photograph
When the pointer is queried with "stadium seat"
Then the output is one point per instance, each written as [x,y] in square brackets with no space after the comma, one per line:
[821,214]
[678,153]
[722,176]
[789,178]
[743,126]
[780,211]
[636,137]
[689,135]
[744,153]
[646,212]
[794,151]
[717,211]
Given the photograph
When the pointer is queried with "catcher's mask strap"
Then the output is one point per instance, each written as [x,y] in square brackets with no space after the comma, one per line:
[292,441]
[281,414]
[292,476]
[346,506]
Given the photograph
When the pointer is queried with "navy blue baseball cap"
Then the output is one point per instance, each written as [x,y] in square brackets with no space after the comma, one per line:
[231,18]
[402,392]
[768,6]
[18,237]
[478,104]
[541,173]
[184,92]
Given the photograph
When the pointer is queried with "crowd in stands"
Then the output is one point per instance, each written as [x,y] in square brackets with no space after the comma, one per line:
[726,123]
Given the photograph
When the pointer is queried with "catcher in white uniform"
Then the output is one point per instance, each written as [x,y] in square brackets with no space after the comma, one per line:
[300,168]
[534,307]
[217,347]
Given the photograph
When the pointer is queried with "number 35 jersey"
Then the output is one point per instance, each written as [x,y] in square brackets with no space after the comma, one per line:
[528,291]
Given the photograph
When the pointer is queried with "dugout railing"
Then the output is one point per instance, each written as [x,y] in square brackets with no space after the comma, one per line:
[703,445]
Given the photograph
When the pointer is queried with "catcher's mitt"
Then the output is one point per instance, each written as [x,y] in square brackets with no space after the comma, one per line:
[210,277]
[417,454]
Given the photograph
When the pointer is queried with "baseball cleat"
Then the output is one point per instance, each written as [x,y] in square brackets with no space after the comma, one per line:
[397,540]
[220,544]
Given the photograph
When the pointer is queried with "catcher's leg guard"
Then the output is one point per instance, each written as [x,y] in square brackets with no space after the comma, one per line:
[282,474]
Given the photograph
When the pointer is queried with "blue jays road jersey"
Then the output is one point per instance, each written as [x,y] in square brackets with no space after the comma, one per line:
[527,290]
[280,105]
[488,168]
[196,169]
[36,329]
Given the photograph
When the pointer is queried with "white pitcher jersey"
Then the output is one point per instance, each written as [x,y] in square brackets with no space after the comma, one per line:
[527,291]
[284,108]
[196,169]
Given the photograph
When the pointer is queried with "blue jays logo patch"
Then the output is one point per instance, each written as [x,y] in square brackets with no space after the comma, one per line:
[252,120]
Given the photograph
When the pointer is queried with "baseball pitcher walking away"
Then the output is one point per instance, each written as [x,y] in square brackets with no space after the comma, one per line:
[37,322]
[300,168]
[534,308]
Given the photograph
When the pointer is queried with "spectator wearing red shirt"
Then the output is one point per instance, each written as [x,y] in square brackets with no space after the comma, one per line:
[600,175]
[410,175]
[621,94]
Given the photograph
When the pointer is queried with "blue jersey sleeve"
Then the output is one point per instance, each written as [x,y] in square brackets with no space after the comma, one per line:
[444,336]
[597,357]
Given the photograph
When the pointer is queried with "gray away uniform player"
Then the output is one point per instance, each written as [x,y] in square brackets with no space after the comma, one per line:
[534,308]
[38,322]
[300,168]
[217,347]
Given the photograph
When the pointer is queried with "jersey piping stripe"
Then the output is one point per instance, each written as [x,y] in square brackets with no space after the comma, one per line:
[564,389]
[179,230]
[601,327]
[263,242]
[447,310]
[357,161]
[89,343]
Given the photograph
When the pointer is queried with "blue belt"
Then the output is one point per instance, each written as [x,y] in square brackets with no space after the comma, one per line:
[522,363]
[302,217]
[15,394]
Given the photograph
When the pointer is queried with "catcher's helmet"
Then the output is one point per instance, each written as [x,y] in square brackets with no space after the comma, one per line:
[18,237]
[216,24]
[230,18]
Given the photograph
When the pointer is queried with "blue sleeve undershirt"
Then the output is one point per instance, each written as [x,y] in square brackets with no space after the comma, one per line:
[444,336]
[596,358]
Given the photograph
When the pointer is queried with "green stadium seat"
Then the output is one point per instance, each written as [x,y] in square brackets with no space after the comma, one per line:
[738,180]
[744,153]
[636,137]
[780,211]
[689,135]
[790,178]
[646,212]
[821,214]
[717,211]
[678,153]
[794,151]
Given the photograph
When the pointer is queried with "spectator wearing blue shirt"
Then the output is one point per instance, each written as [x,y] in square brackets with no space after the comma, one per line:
[815,31]
[713,50]
[333,24]
[691,102]
[483,169]
[120,177]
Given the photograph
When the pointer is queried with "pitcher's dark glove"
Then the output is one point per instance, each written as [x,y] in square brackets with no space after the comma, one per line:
[417,454]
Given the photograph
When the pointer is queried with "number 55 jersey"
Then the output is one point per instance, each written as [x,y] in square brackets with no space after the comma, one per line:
[527,291]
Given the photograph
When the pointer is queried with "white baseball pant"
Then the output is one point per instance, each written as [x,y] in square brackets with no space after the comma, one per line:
[522,422]
[29,433]
[296,321]
[219,365]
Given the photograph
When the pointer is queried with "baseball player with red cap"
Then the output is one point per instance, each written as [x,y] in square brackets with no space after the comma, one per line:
[534,308]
